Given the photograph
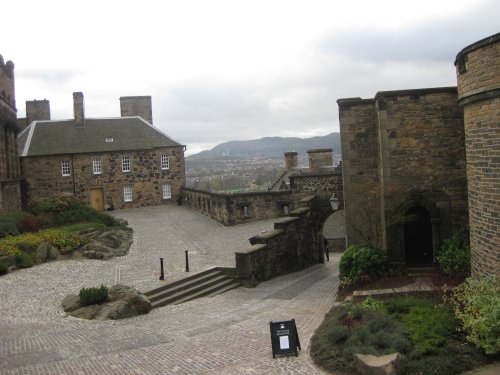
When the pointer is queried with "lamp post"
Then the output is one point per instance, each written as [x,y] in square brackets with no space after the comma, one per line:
[162,274]
[335,202]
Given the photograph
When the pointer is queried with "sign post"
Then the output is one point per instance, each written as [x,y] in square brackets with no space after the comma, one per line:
[284,337]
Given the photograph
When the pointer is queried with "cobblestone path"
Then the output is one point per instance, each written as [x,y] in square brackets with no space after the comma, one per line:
[225,334]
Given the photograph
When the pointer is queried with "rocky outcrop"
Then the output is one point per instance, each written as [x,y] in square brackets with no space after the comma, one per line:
[373,365]
[107,243]
[123,302]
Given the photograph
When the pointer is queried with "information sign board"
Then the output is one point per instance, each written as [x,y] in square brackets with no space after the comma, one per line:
[284,337]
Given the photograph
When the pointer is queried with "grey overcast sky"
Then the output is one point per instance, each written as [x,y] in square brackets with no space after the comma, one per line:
[221,70]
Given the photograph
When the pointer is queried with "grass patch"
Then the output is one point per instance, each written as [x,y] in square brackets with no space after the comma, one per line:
[423,331]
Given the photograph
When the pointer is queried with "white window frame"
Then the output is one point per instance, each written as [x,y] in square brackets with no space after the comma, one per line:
[65,168]
[246,211]
[165,162]
[127,193]
[166,190]
[126,164]
[96,165]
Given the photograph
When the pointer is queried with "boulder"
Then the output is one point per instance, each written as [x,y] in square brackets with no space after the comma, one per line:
[123,302]
[373,365]
[107,243]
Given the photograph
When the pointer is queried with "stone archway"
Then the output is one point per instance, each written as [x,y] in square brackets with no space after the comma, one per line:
[418,238]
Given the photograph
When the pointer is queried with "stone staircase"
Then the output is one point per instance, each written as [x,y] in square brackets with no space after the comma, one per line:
[204,284]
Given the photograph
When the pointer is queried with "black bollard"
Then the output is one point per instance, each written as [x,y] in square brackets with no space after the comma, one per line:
[187,261]
[162,275]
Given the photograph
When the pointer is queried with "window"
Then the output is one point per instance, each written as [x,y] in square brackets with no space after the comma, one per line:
[167,191]
[127,193]
[66,168]
[109,139]
[245,211]
[126,164]
[285,209]
[165,162]
[96,166]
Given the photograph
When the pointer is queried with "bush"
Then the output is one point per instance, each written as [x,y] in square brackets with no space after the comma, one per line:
[430,327]
[65,242]
[476,304]
[3,269]
[373,304]
[65,210]
[23,261]
[454,258]
[93,296]
[361,264]
[338,334]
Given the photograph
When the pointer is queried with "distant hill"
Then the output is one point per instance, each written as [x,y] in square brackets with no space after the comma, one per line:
[270,147]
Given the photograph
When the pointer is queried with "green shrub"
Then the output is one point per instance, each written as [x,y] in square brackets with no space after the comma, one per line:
[93,296]
[63,241]
[430,327]
[9,223]
[3,269]
[476,304]
[372,304]
[23,261]
[402,305]
[337,334]
[361,264]
[454,258]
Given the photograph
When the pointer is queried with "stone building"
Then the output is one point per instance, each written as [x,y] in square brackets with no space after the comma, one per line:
[404,172]
[478,75]
[108,162]
[10,196]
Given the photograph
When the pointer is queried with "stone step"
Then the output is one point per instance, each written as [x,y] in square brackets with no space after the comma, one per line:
[182,284]
[208,283]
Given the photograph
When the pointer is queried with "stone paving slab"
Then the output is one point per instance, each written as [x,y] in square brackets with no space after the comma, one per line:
[224,334]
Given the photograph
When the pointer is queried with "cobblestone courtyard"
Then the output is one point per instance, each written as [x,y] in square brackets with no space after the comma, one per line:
[225,334]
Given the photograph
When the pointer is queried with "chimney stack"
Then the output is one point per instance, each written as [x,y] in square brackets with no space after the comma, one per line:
[320,158]
[78,108]
[291,161]
[37,110]
[137,106]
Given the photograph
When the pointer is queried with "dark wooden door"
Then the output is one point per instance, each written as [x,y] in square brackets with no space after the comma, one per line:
[418,237]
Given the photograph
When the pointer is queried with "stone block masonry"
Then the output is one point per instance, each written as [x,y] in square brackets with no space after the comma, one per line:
[43,174]
[478,76]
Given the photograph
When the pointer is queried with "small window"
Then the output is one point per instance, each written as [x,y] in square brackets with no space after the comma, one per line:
[127,193]
[285,209]
[96,166]
[165,162]
[109,139]
[167,191]
[126,164]
[66,168]
[245,211]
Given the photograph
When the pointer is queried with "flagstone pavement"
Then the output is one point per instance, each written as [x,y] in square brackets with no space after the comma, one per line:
[225,334]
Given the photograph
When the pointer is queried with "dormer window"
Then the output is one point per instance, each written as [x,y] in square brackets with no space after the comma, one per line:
[109,139]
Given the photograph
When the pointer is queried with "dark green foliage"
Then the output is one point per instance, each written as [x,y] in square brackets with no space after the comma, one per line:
[65,210]
[402,305]
[430,327]
[360,264]
[338,334]
[17,222]
[93,296]
[3,269]
[23,260]
[454,257]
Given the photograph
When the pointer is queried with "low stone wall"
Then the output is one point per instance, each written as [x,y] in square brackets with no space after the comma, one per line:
[295,243]
[237,208]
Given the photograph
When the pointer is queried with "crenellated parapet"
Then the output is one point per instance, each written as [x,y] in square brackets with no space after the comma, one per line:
[7,92]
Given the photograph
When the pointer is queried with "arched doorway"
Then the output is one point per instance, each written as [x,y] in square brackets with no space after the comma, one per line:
[418,237]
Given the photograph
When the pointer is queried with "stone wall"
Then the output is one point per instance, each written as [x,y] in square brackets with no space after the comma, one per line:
[478,75]
[295,243]
[360,169]
[10,197]
[237,208]
[146,177]
[137,106]
[403,150]
[322,185]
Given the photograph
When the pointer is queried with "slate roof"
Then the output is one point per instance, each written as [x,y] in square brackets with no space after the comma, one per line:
[64,137]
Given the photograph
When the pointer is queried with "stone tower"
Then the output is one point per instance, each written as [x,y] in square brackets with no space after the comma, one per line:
[291,161]
[10,195]
[137,106]
[319,158]
[478,76]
